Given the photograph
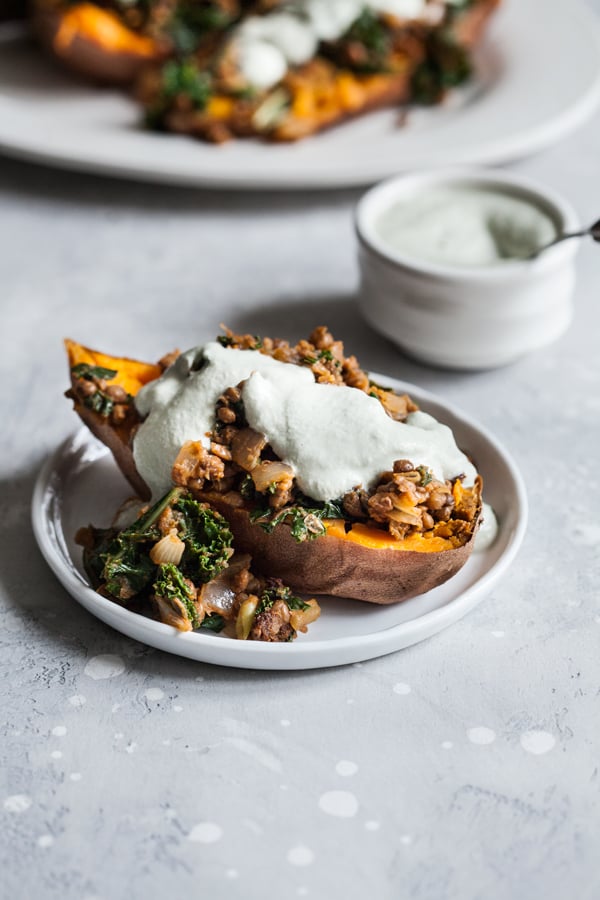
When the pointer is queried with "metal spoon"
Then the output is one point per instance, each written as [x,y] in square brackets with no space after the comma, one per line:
[593,231]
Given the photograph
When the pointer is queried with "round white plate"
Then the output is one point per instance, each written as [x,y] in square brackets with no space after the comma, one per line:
[538,77]
[81,484]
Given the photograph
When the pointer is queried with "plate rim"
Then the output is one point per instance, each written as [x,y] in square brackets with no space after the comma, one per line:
[526,141]
[304,656]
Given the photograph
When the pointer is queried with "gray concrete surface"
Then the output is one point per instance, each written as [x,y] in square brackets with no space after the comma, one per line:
[174,779]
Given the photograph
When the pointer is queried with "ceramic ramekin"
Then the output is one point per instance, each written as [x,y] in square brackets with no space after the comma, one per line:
[465,317]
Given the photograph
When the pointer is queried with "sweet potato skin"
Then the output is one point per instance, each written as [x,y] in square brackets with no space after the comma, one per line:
[343,568]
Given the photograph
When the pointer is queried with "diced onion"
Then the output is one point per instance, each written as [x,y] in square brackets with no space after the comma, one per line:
[269,473]
[168,550]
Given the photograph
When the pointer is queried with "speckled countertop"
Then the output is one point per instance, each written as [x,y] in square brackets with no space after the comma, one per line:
[464,767]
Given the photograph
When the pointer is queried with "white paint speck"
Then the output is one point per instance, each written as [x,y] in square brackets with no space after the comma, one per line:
[107,665]
[285,723]
[166,742]
[481,735]
[206,833]
[45,840]
[17,803]
[75,776]
[537,742]
[131,747]
[447,745]
[498,634]
[300,856]
[118,735]
[154,694]
[406,840]
[372,825]
[116,707]
[178,709]
[232,873]
[56,754]
[77,700]
[283,787]
[59,731]
[302,891]
[346,768]
[350,701]
[339,803]
[401,688]
[597,620]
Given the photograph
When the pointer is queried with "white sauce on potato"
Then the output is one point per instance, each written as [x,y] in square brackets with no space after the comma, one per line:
[488,529]
[334,437]
[267,45]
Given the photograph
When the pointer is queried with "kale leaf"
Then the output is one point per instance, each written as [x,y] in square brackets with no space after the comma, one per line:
[214,622]
[170,585]
[207,539]
[279,591]
[305,518]
[119,560]
[84,370]
[446,65]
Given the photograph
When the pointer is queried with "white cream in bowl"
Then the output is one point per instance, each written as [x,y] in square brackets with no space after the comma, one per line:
[444,272]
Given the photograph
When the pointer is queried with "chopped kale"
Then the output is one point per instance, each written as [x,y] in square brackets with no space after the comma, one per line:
[184,78]
[171,586]
[278,591]
[90,373]
[426,475]
[193,20]
[446,65]
[213,622]
[207,539]
[305,518]
[370,33]
[247,489]
[119,560]
[100,403]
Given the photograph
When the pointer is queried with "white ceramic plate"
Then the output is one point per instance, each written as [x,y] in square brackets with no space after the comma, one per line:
[81,484]
[538,78]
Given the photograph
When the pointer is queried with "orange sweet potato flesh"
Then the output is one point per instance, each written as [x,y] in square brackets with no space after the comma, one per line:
[92,41]
[131,376]
[348,565]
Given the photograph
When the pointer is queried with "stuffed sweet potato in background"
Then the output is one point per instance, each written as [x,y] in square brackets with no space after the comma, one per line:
[185,57]
[406,534]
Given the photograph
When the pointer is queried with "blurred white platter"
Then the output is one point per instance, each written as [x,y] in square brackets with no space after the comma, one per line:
[538,78]
[81,484]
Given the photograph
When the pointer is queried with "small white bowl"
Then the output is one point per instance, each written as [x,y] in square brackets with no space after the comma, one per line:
[463,317]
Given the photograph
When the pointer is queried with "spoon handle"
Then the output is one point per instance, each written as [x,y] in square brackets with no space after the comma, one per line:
[592,231]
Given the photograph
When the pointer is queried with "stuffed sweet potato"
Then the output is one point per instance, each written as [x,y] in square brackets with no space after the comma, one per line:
[347,514]
[217,69]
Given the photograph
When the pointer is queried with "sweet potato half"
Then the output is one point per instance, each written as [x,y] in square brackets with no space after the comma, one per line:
[92,41]
[349,560]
